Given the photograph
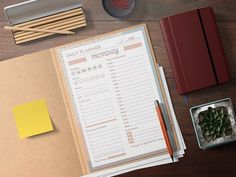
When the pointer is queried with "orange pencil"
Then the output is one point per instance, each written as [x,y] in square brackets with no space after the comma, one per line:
[163,127]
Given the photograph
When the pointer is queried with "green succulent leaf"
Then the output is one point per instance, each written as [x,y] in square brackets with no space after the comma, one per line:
[214,137]
[218,129]
[222,111]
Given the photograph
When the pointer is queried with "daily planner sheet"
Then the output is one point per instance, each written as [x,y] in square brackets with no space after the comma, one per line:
[113,85]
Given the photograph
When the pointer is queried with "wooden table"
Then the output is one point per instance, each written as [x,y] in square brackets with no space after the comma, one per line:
[219,162]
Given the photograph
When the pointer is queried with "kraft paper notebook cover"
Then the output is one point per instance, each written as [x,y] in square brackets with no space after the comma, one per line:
[195,50]
[64,152]
[25,79]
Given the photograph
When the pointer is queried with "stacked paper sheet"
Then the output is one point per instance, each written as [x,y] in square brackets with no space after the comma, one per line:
[113,81]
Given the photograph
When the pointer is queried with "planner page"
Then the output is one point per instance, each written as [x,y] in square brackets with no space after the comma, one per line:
[113,85]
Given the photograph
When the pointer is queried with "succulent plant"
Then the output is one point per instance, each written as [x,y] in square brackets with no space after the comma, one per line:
[215,123]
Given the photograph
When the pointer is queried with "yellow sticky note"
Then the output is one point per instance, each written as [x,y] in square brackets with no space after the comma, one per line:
[32,118]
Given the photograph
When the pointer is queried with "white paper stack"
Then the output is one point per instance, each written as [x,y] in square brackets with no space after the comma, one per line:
[114,82]
[151,162]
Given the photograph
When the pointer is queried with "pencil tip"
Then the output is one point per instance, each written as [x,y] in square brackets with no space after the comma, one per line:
[157,102]
[172,158]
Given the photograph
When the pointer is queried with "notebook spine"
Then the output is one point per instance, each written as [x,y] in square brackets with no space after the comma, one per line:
[215,45]
[173,56]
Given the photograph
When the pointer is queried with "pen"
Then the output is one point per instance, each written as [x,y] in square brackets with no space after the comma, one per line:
[163,127]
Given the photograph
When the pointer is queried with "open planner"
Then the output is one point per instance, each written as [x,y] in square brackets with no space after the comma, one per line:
[100,94]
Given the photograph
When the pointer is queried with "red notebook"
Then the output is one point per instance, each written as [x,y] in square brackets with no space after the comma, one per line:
[195,50]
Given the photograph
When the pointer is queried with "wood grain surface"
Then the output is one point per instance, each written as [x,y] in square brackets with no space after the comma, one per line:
[218,162]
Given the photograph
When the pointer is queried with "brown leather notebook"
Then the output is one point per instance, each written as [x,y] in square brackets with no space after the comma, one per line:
[195,50]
